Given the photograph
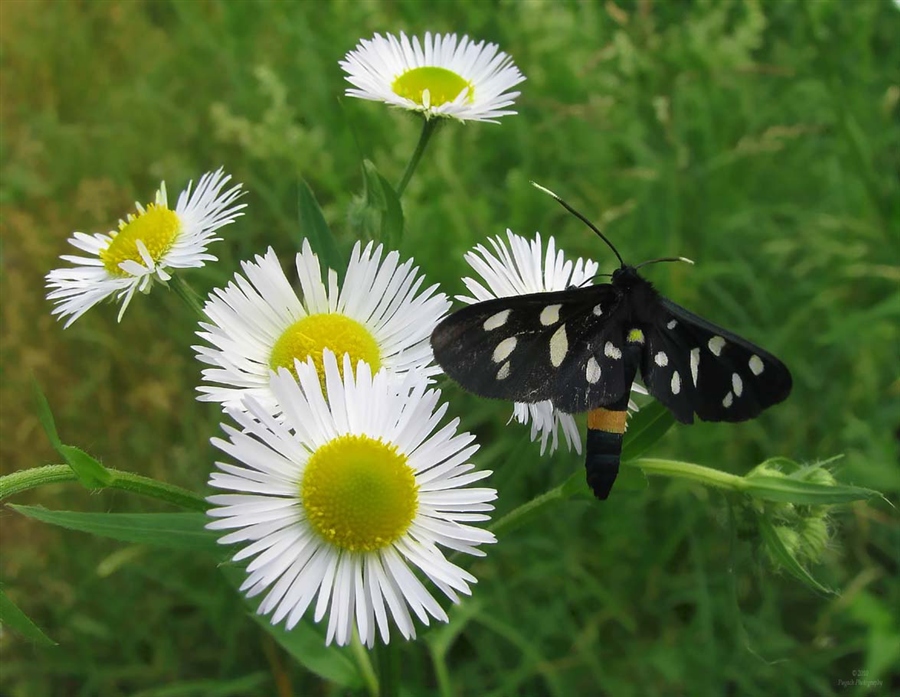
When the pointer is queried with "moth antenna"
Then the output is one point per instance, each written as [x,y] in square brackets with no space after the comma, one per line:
[582,219]
[656,261]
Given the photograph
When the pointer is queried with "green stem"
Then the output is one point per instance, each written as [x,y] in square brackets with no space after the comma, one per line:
[24,480]
[364,664]
[388,670]
[190,297]
[442,675]
[518,515]
[687,470]
[428,130]
[662,468]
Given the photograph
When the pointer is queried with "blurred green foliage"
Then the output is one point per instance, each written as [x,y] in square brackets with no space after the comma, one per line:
[758,138]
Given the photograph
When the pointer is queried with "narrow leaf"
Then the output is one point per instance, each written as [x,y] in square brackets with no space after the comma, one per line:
[90,472]
[11,616]
[305,642]
[381,197]
[791,490]
[314,227]
[784,558]
[170,530]
[645,428]
[631,479]
[45,416]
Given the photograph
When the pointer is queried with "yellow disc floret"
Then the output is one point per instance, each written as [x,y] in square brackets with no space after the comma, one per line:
[157,227]
[359,493]
[442,85]
[308,337]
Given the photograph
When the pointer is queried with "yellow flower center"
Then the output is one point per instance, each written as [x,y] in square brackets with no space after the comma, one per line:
[157,227]
[441,84]
[308,337]
[360,494]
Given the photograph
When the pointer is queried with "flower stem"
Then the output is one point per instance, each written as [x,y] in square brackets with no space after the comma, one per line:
[428,130]
[24,480]
[190,297]
[662,468]
[519,514]
[687,470]
[364,665]
[388,670]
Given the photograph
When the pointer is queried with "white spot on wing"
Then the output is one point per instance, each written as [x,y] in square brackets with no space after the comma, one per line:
[504,348]
[676,383]
[611,351]
[716,344]
[503,373]
[672,324]
[661,359]
[592,370]
[729,398]
[559,345]
[756,365]
[695,364]
[496,321]
[550,315]
[597,310]
[737,385]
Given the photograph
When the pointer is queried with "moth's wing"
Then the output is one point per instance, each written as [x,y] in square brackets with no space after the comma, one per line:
[599,366]
[693,366]
[522,348]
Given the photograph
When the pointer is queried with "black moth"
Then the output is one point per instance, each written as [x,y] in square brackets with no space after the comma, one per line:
[581,349]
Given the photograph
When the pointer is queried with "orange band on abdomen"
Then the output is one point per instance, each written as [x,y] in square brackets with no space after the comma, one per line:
[605,420]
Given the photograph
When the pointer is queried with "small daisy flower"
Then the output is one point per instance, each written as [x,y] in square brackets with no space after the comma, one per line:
[523,270]
[442,76]
[347,499]
[258,323]
[147,245]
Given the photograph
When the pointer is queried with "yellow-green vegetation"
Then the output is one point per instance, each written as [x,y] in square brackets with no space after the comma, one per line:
[758,138]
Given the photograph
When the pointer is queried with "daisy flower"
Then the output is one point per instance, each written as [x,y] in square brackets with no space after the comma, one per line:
[147,245]
[523,270]
[443,76]
[258,323]
[347,499]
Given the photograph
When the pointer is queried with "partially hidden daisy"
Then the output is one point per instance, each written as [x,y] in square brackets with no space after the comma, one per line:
[345,501]
[519,269]
[259,324]
[146,247]
[442,76]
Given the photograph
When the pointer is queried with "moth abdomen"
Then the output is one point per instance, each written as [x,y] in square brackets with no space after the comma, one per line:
[603,450]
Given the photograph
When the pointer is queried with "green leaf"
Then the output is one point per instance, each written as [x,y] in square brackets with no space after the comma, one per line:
[314,227]
[305,642]
[90,472]
[381,198]
[170,530]
[253,684]
[789,490]
[576,486]
[45,416]
[11,616]
[645,428]
[784,558]
[631,479]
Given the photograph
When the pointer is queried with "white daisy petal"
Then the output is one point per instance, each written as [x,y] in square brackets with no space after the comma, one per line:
[442,76]
[144,249]
[519,268]
[257,323]
[305,499]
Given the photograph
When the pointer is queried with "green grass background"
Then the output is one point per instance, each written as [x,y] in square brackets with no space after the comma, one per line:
[760,139]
